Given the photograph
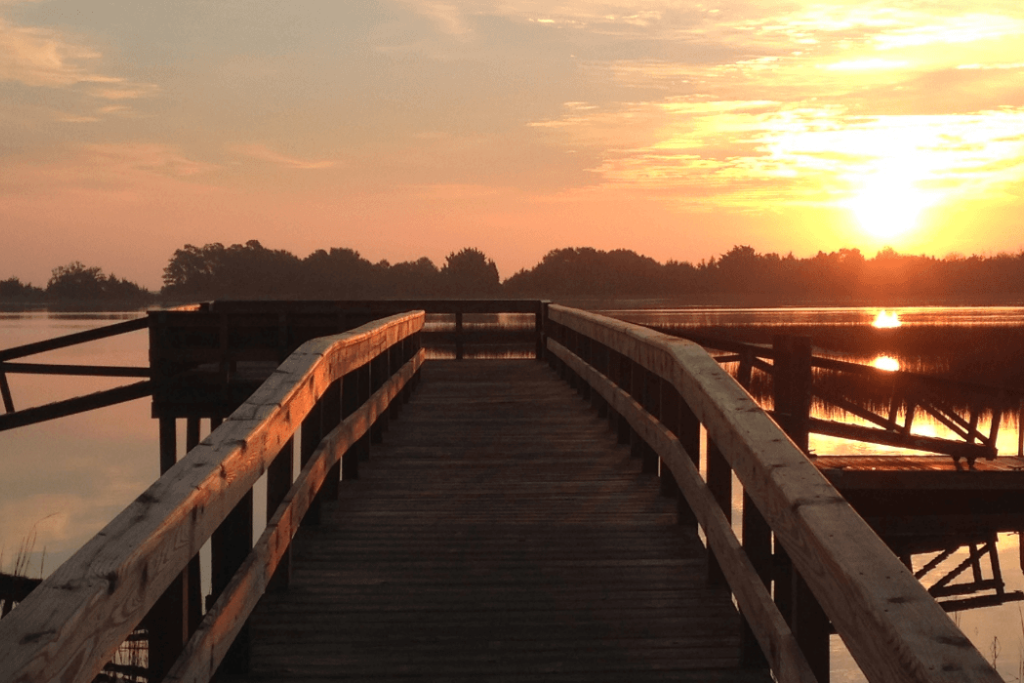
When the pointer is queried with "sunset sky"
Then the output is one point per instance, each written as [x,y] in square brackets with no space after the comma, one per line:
[404,128]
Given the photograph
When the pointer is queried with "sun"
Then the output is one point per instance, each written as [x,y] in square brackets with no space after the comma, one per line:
[888,202]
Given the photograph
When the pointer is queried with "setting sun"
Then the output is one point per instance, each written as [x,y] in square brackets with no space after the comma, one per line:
[888,204]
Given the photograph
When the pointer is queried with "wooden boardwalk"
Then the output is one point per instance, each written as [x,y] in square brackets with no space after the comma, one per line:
[498,534]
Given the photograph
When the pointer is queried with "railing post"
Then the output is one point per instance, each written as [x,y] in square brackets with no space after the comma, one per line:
[363,393]
[757,543]
[167,622]
[229,546]
[310,438]
[379,373]
[458,336]
[792,386]
[279,481]
[792,397]
[720,484]
[330,417]
[669,403]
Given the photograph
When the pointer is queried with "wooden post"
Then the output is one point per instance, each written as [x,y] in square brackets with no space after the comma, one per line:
[310,439]
[624,380]
[670,417]
[168,620]
[538,328]
[349,404]
[363,393]
[230,545]
[792,386]
[330,417]
[689,437]
[279,481]
[458,336]
[792,382]
[757,543]
[720,485]
[378,375]
[746,365]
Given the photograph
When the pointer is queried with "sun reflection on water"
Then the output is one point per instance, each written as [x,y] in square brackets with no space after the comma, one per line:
[886,320]
[887,363]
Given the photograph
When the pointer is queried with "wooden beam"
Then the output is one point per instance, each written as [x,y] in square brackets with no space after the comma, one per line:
[73,406]
[957,449]
[74,370]
[5,392]
[73,339]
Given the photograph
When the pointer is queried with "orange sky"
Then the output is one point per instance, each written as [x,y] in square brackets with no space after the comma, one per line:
[404,128]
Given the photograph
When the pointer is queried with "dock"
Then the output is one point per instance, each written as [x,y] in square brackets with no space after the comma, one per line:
[538,549]
[569,516]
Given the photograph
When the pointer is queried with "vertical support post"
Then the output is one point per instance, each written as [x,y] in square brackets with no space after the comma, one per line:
[669,403]
[378,375]
[229,546]
[792,386]
[349,405]
[720,485]
[330,418]
[689,437]
[279,481]
[625,382]
[757,543]
[168,619]
[363,393]
[746,365]
[193,584]
[792,395]
[458,336]
[311,435]
[538,328]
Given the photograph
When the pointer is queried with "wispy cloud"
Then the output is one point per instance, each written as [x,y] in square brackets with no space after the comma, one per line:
[46,58]
[261,152]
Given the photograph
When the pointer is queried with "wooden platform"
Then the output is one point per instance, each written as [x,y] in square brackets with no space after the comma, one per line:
[499,534]
[912,495]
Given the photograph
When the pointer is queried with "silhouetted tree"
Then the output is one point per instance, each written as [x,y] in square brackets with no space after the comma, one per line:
[15,291]
[76,282]
[470,273]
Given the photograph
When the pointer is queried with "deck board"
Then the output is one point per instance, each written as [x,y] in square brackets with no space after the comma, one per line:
[498,534]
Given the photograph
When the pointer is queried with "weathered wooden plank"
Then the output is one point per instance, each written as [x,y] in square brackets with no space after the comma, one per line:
[485,558]
[73,622]
[893,628]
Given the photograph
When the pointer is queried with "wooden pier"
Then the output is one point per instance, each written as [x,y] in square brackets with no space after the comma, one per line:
[499,533]
[487,520]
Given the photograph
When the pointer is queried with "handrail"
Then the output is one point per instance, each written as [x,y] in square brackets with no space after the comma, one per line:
[75,620]
[893,628]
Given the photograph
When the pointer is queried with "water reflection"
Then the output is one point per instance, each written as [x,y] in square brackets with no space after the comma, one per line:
[887,363]
[886,320]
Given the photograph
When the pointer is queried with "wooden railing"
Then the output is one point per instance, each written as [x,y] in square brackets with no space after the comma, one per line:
[340,390]
[19,418]
[660,393]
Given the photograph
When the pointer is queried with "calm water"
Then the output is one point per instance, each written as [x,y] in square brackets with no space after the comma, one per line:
[61,481]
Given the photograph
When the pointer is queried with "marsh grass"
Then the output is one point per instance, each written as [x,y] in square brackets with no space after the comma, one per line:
[984,355]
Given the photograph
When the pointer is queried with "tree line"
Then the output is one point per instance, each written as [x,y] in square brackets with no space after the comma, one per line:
[740,276]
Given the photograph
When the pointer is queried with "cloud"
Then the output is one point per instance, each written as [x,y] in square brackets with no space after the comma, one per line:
[45,58]
[261,152]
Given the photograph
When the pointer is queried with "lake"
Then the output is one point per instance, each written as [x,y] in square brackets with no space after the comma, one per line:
[61,481]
